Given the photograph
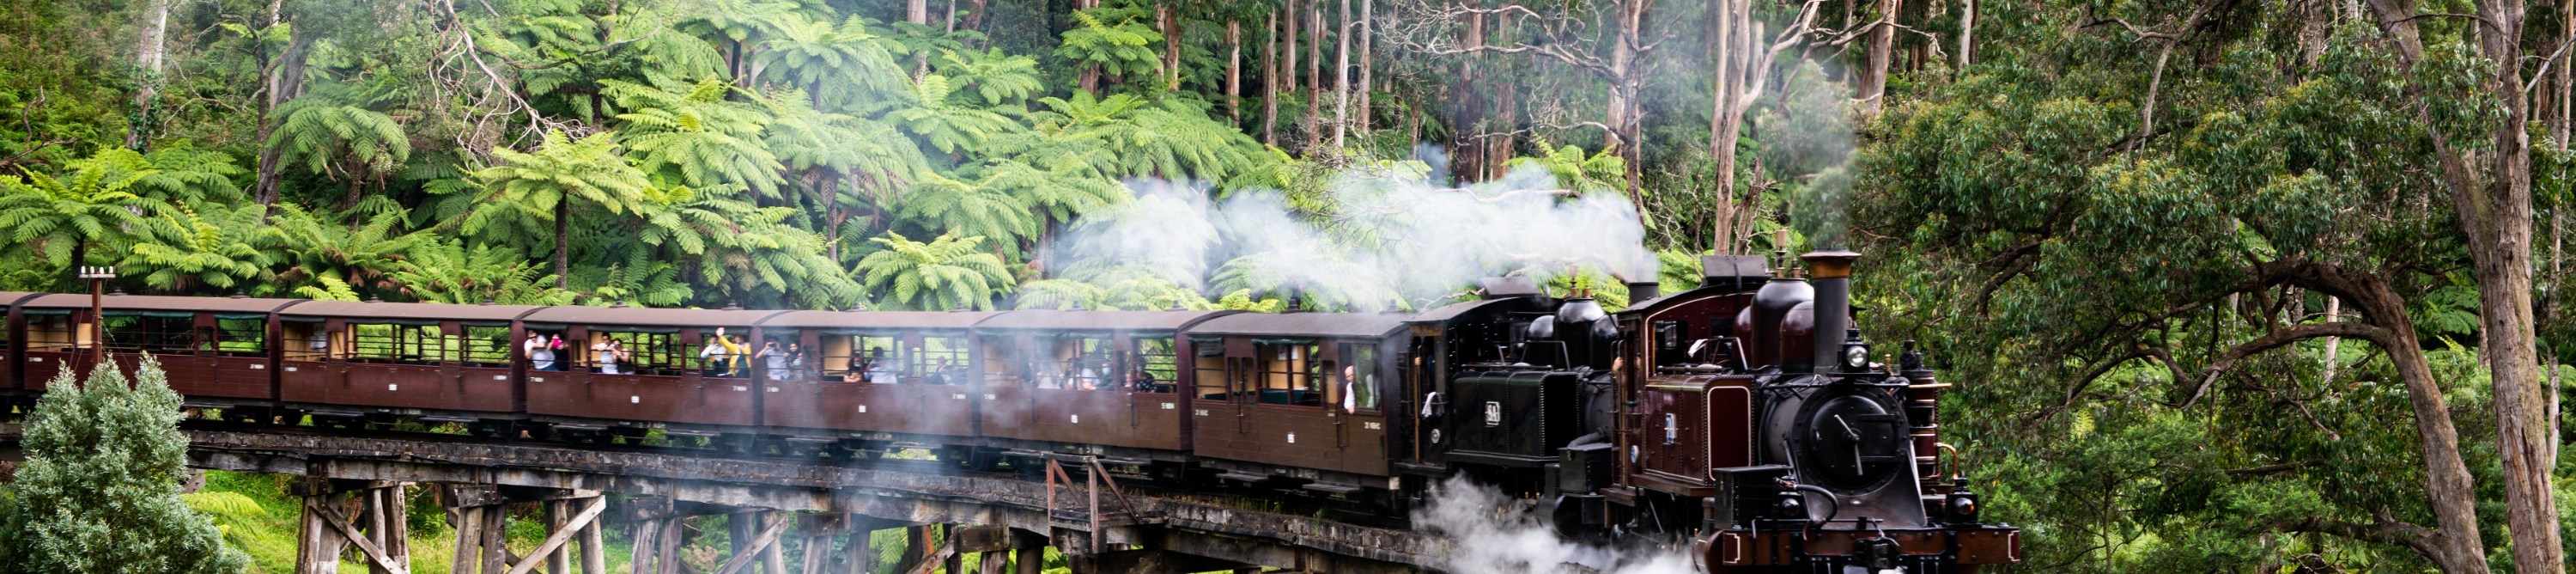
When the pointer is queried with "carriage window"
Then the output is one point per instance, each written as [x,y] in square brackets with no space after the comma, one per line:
[395,343]
[157,333]
[52,332]
[486,346]
[1208,358]
[1157,365]
[781,357]
[1288,373]
[940,361]
[1073,362]
[241,336]
[1359,377]
[636,353]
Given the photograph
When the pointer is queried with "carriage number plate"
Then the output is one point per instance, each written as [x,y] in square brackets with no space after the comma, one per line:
[1170,406]
[1373,426]
[1199,412]
[958,396]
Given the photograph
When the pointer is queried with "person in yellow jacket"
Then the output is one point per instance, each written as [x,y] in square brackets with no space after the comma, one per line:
[735,356]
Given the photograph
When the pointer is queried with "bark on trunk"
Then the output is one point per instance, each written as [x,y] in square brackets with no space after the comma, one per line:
[1342,77]
[2454,545]
[1234,70]
[917,11]
[283,83]
[147,63]
[1967,32]
[1171,28]
[1882,44]
[1270,83]
[1314,75]
[1467,163]
[1367,31]
[2494,205]
[563,243]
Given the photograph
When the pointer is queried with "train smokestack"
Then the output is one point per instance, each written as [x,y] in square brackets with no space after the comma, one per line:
[1831,276]
[1640,291]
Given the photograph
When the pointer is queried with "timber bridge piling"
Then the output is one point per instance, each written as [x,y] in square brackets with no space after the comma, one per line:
[353,486]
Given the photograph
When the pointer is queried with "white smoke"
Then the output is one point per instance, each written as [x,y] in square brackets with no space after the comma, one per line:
[1488,534]
[1379,238]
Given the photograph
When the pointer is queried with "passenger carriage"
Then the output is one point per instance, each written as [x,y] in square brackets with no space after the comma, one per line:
[216,351]
[662,383]
[876,380]
[440,363]
[1097,383]
[1296,399]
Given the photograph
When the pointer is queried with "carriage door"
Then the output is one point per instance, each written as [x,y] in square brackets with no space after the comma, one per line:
[1243,384]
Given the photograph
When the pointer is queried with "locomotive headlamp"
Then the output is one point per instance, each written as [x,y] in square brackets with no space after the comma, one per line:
[1792,506]
[1855,357]
[1855,353]
[1963,507]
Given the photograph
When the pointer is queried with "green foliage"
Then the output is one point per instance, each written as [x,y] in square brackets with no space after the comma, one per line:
[329,136]
[100,489]
[210,245]
[697,137]
[947,273]
[1113,39]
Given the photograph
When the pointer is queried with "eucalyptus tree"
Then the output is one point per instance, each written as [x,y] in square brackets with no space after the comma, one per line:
[950,272]
[540,187]
[2130,292]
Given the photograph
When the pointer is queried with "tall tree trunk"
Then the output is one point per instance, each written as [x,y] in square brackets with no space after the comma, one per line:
[1342,77]
[1368,30]
[1467,162]
[1882,45]
[285,80]
[1314,75]
[1291,16]
[1625,82]
[563,243]
[1171,27]
[1234,70]
[1270,83]
[2494,208]
[952,16]
[1967,32]
[917,11]
[2453,545]
[147,65]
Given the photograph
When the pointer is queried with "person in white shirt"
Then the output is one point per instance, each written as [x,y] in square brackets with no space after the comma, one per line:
[775,360]
[539,355]
[607,354]
[1350,384]
[711,358]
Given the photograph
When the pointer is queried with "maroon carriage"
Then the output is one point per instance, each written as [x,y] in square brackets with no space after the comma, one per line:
[345,361]
[632,369]
[1101,383]
[1294,399]
[873,379]
[12,345]
[216,350]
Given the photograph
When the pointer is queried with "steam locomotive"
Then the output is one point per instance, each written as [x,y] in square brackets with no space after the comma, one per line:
[1746,416]
[1716,417]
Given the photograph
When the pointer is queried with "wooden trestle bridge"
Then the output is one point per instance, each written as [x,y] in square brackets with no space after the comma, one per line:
[353,485]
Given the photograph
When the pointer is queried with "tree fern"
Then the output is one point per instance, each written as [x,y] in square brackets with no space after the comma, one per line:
[698,135]
[947,273]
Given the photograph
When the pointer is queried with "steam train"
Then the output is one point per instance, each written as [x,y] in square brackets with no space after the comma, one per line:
[1716,417]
